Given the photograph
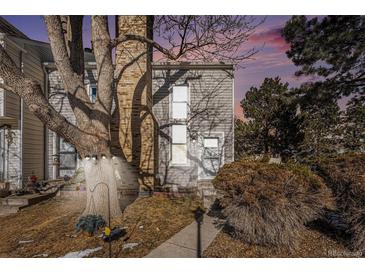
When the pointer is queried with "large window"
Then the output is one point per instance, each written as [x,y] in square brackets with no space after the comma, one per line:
[179,145]
[180,102]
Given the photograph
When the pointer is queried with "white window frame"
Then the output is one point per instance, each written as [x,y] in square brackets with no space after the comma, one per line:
[186,143]
[208,145]
[187,102]
[221,150]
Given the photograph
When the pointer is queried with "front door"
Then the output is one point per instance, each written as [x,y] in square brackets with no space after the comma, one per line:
[211,155]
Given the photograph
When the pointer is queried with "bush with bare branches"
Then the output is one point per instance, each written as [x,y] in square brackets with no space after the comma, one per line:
[269,204]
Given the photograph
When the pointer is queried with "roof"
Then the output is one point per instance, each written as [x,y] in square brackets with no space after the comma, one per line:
[9,29]
[43,48]
[191,65]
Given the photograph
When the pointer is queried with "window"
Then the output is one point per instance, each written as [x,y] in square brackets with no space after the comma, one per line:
[211,142]
[211,146]
[179,145]
[180,102]
[93,90]
[179,111]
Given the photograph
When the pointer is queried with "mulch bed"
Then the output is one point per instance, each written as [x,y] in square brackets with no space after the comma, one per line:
[50,227]
[313,244]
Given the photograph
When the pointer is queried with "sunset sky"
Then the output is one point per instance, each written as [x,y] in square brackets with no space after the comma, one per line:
[270,61]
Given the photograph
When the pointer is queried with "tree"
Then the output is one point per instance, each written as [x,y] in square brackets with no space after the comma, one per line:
[320,120]
[330,49]
[272,126]
[203,38]
[246,138]
[354,125]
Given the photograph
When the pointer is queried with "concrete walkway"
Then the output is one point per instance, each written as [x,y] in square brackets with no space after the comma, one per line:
[184,244]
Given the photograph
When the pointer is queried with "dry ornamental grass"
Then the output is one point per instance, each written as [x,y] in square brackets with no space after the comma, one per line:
[269,204]
[345,175]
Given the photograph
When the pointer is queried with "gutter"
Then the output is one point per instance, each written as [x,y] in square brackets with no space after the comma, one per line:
[189,65]
[11,42]
[52,65]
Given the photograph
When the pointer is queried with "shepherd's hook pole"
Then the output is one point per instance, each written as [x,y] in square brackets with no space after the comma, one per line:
[92,191]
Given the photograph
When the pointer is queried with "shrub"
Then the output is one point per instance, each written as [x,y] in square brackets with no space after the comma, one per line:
[269,204]
[90,224]
[345,175]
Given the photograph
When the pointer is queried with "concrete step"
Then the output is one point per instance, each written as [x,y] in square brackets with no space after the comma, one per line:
[6,210]
[25,200]
[207,192]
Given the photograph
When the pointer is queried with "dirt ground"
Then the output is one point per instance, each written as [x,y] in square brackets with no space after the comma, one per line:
[313,244]
[50,227]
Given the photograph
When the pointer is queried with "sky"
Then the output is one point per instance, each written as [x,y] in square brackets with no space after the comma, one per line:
[270,61]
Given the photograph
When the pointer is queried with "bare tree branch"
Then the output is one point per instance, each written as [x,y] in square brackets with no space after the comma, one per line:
[74,42]
[73,80]
[143,39]
[32,94]
[200,38]
[104,62]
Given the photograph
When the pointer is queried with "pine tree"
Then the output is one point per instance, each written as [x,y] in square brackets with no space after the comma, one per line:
[273,126]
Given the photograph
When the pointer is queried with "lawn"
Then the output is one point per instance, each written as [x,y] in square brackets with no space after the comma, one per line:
[48,229]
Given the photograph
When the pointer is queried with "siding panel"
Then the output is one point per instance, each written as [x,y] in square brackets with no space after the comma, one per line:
[33,129]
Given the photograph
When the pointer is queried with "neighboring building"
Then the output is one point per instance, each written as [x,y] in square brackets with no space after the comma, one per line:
[175,120]
[22,146]
[193,105]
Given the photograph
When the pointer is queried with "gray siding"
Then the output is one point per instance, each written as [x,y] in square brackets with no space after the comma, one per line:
[58,99]
[33,128]
[210,114]
[10,107]
[12,101]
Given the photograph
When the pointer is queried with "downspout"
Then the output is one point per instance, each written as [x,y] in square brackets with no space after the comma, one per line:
[233,114]
[45,130]
[21,126]
[3,130]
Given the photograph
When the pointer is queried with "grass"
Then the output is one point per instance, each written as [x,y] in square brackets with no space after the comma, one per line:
[51,227]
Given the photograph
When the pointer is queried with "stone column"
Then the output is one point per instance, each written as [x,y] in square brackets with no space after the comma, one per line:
[134,129]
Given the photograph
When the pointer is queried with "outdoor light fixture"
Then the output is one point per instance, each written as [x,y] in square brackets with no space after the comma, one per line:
[114,157]
[95,157]
[103,156]
[193,135]
[87,157]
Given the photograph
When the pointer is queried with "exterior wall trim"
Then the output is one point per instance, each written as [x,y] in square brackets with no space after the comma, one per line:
[191,66]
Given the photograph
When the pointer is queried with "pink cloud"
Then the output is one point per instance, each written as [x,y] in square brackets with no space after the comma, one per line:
[271,38]
[238,111]
[265,60]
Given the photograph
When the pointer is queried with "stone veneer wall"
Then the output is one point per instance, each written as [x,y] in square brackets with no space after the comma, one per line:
[133,126]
